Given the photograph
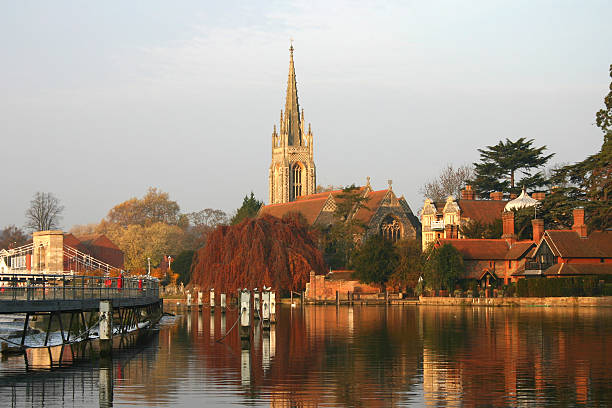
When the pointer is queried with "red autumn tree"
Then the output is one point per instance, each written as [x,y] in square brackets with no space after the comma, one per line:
[259,251]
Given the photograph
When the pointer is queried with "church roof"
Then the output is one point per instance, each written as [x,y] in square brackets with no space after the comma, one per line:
[310,208]
[374,198]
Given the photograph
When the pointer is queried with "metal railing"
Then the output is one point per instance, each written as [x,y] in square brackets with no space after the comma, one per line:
[34,287]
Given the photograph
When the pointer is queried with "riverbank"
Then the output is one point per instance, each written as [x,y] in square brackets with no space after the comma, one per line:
[599,301]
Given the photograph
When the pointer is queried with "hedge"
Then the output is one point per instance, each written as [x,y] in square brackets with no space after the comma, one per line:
[574,286]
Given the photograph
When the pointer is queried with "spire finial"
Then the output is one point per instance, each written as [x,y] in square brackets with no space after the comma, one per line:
[291,46]
[390,184]
[368,181]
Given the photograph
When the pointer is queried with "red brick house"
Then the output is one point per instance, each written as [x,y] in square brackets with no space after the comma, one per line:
[98,246]
[572,252]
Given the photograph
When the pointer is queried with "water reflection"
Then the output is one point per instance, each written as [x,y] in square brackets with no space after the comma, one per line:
[356,356]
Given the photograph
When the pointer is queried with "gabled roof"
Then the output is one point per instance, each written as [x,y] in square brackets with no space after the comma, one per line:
[99,240]
[579,269]
[479,249]
[374,198]
[568,244]
[485,211]
[309,208]
[520,250]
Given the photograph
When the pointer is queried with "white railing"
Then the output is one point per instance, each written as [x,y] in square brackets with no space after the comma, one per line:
[437,225]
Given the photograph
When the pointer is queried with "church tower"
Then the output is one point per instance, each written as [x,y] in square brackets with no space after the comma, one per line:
[292,172]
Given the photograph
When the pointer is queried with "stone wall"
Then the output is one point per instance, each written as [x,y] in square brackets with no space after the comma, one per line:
[512,301]
[321,288]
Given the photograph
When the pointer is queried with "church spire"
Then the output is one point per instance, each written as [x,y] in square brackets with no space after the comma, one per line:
[292,107]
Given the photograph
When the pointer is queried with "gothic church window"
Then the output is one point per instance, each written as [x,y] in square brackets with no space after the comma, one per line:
[297,180]
[391,229]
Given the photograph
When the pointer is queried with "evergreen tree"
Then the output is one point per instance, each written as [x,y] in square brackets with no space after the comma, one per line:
[499,165]
[375,260]
[182,266]
[250,207]
[444,267]
[587,183]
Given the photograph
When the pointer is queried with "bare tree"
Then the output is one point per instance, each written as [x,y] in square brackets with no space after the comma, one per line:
[449,182]
[44,213]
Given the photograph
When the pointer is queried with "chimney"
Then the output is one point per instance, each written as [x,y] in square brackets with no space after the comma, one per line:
[538,196]
[467,193]
[579,226]
[538,229]
[497,195]
[508,226]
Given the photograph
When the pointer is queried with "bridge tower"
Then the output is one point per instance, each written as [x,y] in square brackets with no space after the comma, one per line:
[48,251]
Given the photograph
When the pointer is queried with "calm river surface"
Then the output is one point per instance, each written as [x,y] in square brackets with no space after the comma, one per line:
[324,356]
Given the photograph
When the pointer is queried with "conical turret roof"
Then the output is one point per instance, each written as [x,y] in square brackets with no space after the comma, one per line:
[521,201]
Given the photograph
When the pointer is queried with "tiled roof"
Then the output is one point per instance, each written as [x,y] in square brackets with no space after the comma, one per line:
[372,203]
[485,211]
[71,240]
[309,208]
[519,249]
[483,249]
[568,244]
[579,269]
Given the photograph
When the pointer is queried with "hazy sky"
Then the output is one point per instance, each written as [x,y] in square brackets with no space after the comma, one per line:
[100,100]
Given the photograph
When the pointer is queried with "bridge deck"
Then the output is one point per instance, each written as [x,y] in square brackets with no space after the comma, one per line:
[52,293]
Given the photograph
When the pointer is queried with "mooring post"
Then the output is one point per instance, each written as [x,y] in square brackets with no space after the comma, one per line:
[106,328]
[265,309]
[386,296]
[223,303]
[302,299]
[272,307]
[337,298]
[188,300]
[200,301]
[256,312]
[212,300]
[245,317]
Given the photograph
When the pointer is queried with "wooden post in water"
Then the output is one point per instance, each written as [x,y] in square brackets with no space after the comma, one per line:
[256,310]
[265,309]
[200,301]
[272,307]
[106,328]
[223,303]
[212,300]
[245,317]
[337,298]
[189,301]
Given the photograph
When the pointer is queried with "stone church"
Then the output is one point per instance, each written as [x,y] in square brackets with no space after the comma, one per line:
[292,181]
[292,172]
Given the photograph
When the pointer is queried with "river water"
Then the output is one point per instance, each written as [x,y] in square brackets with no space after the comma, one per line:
[348,356]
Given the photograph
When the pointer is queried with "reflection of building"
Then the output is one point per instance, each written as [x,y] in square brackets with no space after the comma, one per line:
[382,213]
[292,172]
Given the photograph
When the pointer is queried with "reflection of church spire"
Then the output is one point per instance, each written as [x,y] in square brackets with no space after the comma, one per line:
[292,108]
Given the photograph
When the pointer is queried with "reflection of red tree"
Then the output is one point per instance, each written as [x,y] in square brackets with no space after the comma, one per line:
[262,251]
